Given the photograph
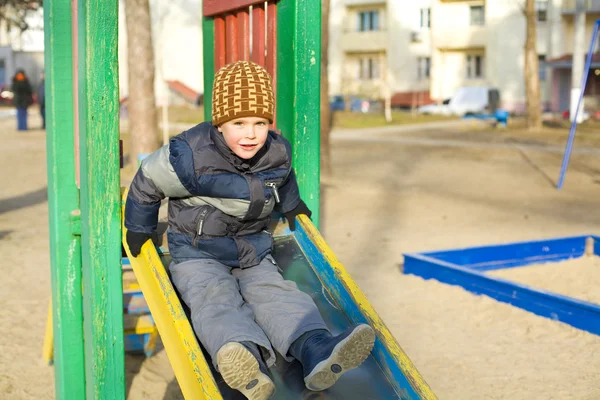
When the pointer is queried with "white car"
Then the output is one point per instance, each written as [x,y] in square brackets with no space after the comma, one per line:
[437,109]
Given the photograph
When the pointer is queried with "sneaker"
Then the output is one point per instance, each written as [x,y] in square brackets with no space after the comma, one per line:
[326,358]
[241,371]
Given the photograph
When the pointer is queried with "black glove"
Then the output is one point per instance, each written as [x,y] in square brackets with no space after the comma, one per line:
[135,240]
[291,215]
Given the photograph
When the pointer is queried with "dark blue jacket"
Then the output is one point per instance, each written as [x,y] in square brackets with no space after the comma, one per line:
[219,204]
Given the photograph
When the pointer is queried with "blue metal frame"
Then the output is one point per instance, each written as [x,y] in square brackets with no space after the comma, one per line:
[466,267]
[586,71]
[343,296]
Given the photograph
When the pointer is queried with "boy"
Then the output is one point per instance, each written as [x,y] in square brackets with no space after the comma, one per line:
[224,178]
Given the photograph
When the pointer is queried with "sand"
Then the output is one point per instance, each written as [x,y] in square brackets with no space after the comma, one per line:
[385,199]
[577,277]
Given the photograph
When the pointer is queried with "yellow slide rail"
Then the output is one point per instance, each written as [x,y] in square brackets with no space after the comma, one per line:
[189,364]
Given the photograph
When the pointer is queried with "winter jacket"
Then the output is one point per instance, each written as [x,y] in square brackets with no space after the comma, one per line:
[219,204]
[23,93]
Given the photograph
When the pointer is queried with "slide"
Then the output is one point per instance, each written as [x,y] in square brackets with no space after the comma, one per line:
[304,258]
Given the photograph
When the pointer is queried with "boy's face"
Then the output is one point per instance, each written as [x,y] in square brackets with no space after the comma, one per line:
[245,136]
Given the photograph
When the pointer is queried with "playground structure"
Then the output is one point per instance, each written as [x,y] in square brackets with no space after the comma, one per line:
[467,268]
[571,140]
[85,204]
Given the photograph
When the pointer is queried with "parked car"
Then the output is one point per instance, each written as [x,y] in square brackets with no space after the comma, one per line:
[465,101]
[356,104]
[6,95]
[435,108]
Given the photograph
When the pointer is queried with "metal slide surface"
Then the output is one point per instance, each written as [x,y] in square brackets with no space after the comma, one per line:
[386,374]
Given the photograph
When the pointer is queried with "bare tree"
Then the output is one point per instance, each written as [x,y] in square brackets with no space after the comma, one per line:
[141,102]
[326,114]
[13,13]
[532,80]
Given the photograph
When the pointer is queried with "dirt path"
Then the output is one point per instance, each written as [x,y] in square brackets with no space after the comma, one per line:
[387,198]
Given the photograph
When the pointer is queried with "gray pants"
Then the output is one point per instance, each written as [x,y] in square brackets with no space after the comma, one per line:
[253,304]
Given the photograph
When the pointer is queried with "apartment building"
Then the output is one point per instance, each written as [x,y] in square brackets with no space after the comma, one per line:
[422,49]
[23,50]
[561,19]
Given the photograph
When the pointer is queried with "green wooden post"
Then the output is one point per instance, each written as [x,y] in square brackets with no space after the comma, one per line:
[298,91]
[100,199]
[63,204]
[208,50]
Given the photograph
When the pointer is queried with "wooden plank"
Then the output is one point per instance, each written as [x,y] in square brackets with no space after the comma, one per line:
[575,312]
[393,361]
[217,7]
[243,41]
[258,35]
[138,324]
[231,39]
[187,360]
[513,254]
[220,46]
[100,199]
[209,63]
[271,62]
[298,91]
[63,199]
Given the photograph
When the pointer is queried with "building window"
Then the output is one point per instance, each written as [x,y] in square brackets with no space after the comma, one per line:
[425,21]
[477,15]
[541,10]
[474,67]
[542,67]
[423,67]
[368,68]
[368,21]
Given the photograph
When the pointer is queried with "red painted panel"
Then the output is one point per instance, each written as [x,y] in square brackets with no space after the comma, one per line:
[215,7]
[231,38]
[219,42]
[258,35]
[271,62]
[243,20]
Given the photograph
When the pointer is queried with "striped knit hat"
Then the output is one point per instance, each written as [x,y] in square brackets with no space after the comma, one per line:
[242,89]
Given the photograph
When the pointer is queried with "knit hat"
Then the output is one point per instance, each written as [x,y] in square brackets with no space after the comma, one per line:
[242,89]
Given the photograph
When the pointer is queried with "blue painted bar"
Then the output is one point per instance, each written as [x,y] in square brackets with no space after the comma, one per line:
[578,313]
[135,343]
[571,140]
[488,258]
[134,303]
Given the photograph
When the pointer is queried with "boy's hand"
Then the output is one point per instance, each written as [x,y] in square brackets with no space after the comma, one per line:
[135,240]
[301,208]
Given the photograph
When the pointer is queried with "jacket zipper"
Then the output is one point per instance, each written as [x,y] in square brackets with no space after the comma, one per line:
[273,187]
[199,226]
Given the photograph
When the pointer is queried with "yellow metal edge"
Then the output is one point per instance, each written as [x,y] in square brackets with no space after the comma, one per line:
[404,363]
[48,349]
[191,368]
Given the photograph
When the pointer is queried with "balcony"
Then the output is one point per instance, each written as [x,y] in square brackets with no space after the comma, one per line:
[469,37]
[369,41]
[589,6]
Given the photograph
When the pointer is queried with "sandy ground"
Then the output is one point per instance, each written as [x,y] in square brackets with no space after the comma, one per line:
[401,191]
[578,277]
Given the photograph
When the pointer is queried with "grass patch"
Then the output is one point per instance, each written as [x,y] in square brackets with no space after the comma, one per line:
[354,120]
[555,132]
[342,119]
[184,114]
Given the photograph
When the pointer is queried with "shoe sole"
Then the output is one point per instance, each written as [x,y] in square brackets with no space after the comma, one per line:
[346,355]
[240,370]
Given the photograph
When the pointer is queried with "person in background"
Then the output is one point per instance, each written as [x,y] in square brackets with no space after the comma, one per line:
[23,98]
[41,97]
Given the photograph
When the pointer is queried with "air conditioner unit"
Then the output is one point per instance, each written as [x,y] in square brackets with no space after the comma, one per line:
[416,36]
